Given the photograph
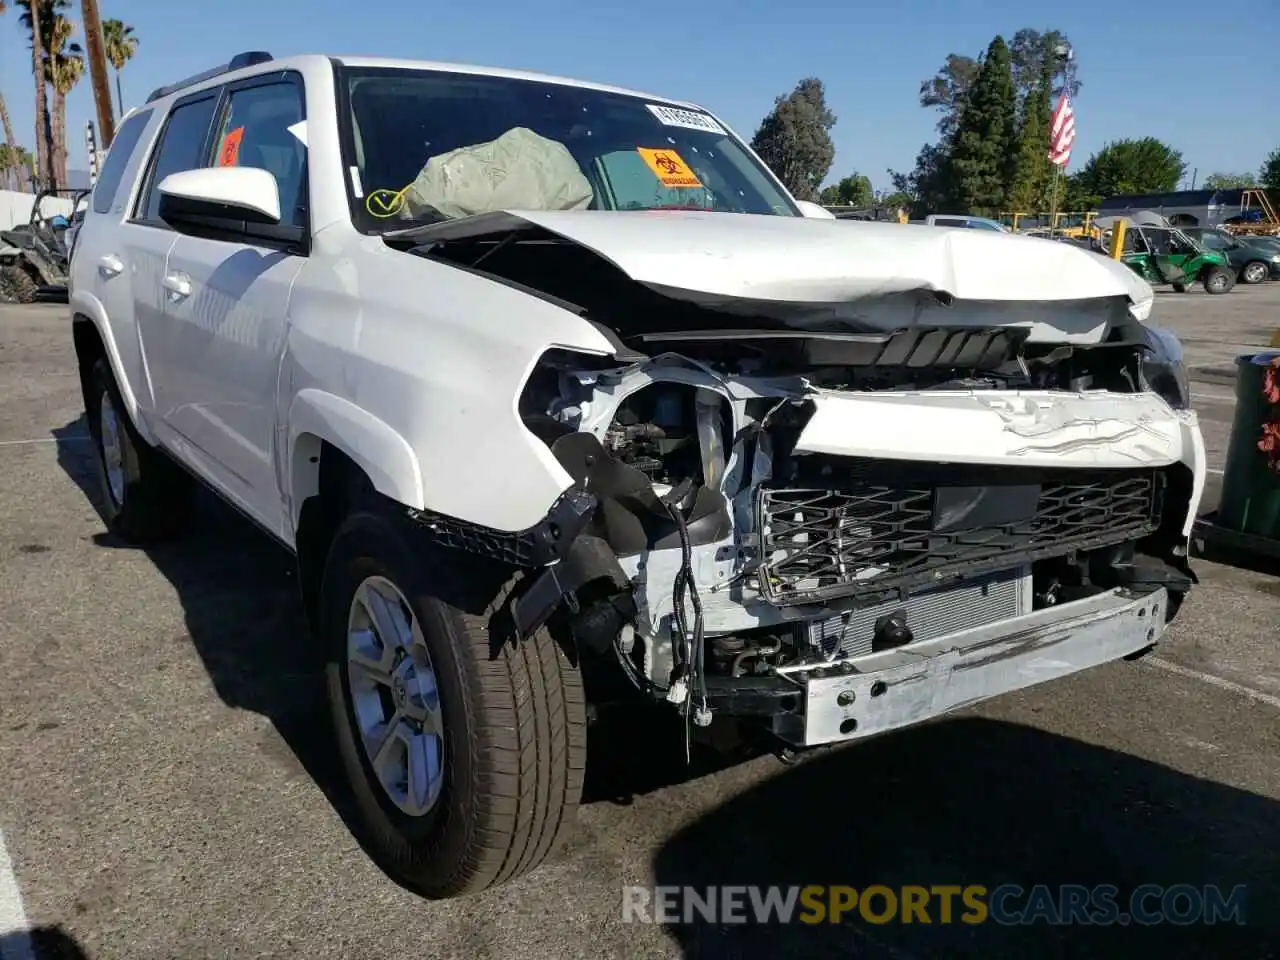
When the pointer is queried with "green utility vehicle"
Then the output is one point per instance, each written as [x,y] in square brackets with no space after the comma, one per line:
[1162,254]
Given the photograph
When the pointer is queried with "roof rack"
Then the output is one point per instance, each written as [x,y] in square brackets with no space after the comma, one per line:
[250,58]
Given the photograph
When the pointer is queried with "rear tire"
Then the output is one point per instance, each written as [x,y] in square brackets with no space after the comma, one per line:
[1218,280]
[145,496]
[501,742]
[1179,288]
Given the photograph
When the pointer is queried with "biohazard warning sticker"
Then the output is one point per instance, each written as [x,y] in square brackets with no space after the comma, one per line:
[667,166]
[229,152]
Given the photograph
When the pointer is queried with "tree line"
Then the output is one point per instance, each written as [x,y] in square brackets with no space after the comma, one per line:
[57,66]
[991,154]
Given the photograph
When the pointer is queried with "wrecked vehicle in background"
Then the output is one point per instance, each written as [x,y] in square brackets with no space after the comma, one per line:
[34,255]
[546,382]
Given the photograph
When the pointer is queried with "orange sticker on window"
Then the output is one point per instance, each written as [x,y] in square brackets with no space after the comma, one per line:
[229,153]
[667,166]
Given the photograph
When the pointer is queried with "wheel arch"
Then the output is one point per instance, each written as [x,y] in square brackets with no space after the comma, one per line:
[320,421]
[93,341]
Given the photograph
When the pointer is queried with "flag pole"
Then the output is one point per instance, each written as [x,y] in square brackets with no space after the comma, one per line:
[1061,131]
[1053,201]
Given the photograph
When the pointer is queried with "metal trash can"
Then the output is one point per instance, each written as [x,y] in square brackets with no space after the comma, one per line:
[1250,484]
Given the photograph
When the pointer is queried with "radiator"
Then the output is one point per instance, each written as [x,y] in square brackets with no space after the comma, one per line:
[930,613]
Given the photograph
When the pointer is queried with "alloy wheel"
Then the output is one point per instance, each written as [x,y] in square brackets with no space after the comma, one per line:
[394,698]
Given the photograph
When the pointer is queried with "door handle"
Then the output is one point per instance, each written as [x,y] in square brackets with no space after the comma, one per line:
[110,265]
[178,284]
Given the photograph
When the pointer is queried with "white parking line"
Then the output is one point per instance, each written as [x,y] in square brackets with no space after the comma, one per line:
[22,443]
[1214,470]
[1197,395]
[15,939]
[1214,681]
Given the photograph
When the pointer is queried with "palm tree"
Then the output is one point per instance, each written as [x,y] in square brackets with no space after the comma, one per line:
[44,126]
[16,163]
[121,44]
[64,67]
[10,144]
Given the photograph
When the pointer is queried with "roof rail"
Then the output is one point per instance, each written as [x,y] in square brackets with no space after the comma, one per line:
[249,58]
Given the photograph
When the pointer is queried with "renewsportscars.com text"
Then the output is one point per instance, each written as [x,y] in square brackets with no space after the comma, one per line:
[1007,904]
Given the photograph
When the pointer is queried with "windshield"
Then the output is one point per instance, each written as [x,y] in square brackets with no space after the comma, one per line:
[422,146]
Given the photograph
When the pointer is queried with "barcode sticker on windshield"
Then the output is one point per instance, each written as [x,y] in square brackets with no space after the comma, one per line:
[689,119]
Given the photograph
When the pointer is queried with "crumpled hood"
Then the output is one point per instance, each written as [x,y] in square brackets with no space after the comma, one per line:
[799,260]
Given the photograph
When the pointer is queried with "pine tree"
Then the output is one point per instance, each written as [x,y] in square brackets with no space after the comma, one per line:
[794,139]
[984,159]
[1034,176]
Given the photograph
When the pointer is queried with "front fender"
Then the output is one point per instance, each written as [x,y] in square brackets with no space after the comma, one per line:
[383,454]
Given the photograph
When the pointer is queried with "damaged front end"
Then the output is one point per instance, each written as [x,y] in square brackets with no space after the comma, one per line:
[841,528]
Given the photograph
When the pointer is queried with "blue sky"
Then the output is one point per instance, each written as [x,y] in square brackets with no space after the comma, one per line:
[1204,83]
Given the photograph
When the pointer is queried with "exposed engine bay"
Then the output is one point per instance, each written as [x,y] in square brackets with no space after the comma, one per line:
[743,555]
[779,489]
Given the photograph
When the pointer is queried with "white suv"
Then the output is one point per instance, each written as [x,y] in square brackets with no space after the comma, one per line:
[543,380]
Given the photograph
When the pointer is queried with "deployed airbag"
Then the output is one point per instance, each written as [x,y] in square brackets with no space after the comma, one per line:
[519,170]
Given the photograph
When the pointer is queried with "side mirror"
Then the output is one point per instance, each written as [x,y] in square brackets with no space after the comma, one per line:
[812,211]
[220,199]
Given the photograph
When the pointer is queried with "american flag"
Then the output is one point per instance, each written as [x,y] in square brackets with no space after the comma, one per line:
[1062,132]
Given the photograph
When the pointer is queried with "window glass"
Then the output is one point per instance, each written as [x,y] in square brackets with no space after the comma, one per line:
[122,147]
[634,187]
[426,146]
[263,128]
[181,148]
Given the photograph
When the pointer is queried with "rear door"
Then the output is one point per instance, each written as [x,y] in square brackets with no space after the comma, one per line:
[226,311]
[146,242]
[102,271]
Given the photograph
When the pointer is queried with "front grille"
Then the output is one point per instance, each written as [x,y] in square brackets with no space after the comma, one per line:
[892,525]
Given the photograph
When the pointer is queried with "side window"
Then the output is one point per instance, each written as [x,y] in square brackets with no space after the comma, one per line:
[181,148]
[264,128]
[122,147]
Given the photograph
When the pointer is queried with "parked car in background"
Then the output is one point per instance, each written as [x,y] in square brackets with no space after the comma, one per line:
[964,220]
[1253,258]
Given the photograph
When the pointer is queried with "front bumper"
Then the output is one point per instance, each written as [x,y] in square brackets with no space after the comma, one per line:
[908,685]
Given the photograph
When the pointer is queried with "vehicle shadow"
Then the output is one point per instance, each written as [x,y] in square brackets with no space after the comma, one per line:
[240,599]
[976,801]
[239,596]
[42,943]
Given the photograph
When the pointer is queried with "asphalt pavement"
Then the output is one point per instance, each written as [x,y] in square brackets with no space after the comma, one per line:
[168,788]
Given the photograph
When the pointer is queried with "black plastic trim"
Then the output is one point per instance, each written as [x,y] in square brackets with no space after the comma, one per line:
[753,696]
[537,546]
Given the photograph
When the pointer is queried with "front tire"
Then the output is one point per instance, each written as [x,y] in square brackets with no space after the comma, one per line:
[145,496]
[464,752]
